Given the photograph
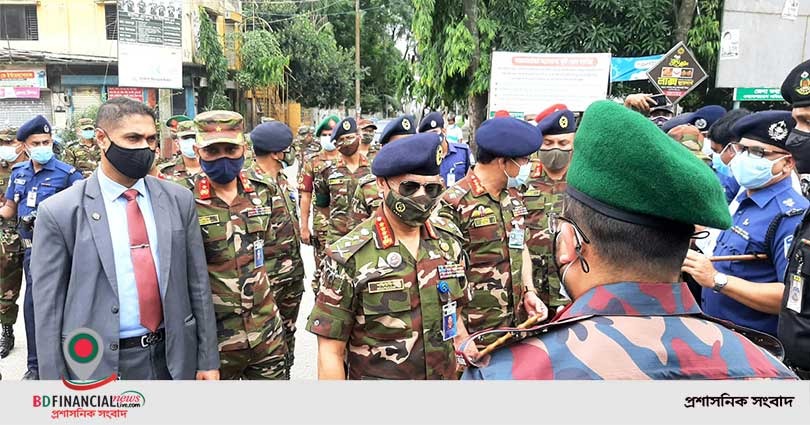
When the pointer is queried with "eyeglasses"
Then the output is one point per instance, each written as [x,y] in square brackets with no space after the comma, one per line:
[756,151]
[554,227]
[408,188]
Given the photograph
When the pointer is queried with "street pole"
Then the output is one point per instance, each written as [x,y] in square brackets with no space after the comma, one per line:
[165,108]
[357,58]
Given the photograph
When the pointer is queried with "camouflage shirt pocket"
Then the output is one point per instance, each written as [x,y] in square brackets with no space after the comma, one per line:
[215,242]
[387,314]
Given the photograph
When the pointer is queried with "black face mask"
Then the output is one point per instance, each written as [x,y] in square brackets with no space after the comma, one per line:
[798,143]
[133,163]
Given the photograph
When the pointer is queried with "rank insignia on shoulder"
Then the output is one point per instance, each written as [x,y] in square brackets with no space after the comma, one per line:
[209,219]
[386,286]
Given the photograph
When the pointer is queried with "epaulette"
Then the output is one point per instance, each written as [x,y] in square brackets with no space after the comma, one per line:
[368,178]
[454,194]
[166,165]
[460,146]
[344,248]
[446,225]
[65,167]
[20,164]
[791,204]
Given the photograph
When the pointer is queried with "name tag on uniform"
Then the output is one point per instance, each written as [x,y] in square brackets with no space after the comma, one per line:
[253,212]
[450,270]
[386,286]
[19,181]
[794,300]
[209,219]
[451,179]
[516,238]
[484,221]
[258,253]
[449,328]
[31,202]
[337,180]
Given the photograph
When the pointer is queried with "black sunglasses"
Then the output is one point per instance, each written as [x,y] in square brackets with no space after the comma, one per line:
[408,188]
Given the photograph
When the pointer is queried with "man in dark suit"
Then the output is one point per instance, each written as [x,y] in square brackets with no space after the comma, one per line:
[122,254]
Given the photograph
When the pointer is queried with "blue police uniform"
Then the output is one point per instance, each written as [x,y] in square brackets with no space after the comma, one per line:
[455,164]
[730,186]
[763,223]
[28,189]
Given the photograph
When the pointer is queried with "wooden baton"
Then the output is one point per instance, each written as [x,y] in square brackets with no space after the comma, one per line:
[746,257]
[500,341]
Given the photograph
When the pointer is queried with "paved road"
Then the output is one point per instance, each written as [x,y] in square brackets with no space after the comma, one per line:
[13,367]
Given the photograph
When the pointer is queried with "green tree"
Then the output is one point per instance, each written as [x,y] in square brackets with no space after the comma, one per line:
[216,65]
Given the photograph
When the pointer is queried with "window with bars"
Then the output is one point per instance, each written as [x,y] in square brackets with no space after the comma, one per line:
[111,21]
[18,22]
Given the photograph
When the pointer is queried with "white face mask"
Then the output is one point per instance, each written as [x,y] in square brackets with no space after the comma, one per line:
[9,153]
[327,144]
[521,178]
[187,147]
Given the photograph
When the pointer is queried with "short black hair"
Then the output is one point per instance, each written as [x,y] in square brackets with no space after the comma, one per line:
[483,156]
[631,246]
[260,152]
[113,110]
[720,131]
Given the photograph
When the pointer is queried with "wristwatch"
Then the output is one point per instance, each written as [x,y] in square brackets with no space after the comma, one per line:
[720,282]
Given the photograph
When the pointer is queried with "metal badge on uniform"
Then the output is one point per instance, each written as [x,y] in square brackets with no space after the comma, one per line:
[449,328]
[516,238]
[394,259]
[450,270]
[258,253]
[31,202]
[256,201]
[794,300]
[209,219]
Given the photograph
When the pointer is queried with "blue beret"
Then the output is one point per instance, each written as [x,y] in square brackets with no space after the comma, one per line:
[704,117]
[344,127]
[273,136]
[403,124]
[508,137]
[415,154]
[559,122]
[796,87]
[431,121]
[769,127]
[36,125]
[676,121]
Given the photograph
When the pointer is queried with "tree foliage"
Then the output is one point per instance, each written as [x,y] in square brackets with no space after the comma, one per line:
[216,65]
[263,63]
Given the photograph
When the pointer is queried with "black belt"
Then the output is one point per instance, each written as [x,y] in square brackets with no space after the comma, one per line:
[143,341]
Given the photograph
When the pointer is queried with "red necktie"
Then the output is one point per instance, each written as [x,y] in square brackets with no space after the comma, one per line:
[143,265]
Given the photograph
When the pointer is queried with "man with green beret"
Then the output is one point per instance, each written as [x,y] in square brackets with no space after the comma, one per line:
[486,207]
[235,214]
[392,289]
[631,316]
[85,155]
[11,270]
[184,168]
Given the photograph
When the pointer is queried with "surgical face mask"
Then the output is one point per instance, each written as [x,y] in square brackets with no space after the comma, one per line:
[555,159]
[9,153]
[223,170]
[88,134]
[187,147]
[719,166]
[41,154]
[412,211]
[326,143]
[522,177]
[798,143]
[752,172]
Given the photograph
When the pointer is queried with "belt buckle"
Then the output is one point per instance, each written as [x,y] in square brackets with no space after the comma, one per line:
[149,339]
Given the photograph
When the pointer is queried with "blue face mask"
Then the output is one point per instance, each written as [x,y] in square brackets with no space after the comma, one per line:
[752,172]
[88,134]
[327,144]
[9,153]
[223,170]
[521,178]
[719,166]
[41,154]
[187,148]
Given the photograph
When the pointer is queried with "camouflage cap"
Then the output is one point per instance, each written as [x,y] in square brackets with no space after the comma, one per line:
[186,128]
[304,130]
[8,134]
[86,124]
[690,137]
[219,127]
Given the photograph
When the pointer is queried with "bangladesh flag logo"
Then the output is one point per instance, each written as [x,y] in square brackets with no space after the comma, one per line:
[83,349]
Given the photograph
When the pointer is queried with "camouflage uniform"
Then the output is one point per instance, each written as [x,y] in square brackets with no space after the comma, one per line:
[365,201]
[542,198]
[494,267]
[11,248]
[386,305]
[85,158]
[176,172]
[313,166]
[282,252]
[249,326]
[336,185]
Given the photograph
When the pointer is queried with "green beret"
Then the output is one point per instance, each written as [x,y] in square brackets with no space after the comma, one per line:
[325,124]
[625,167]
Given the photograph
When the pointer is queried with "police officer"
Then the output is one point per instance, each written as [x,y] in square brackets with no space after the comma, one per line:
[282,252]
[749,293]
[32,182]
[722,141]
[456,157]
[543,197]
[486,207]
[366,198]
[703,118]
[85,154]
[385,304]
[794,316]
[235,216]
[11,270]
[367,129]
[184,168]
[335,186]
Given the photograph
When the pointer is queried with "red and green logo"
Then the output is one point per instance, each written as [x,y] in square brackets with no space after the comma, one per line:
[82,350]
